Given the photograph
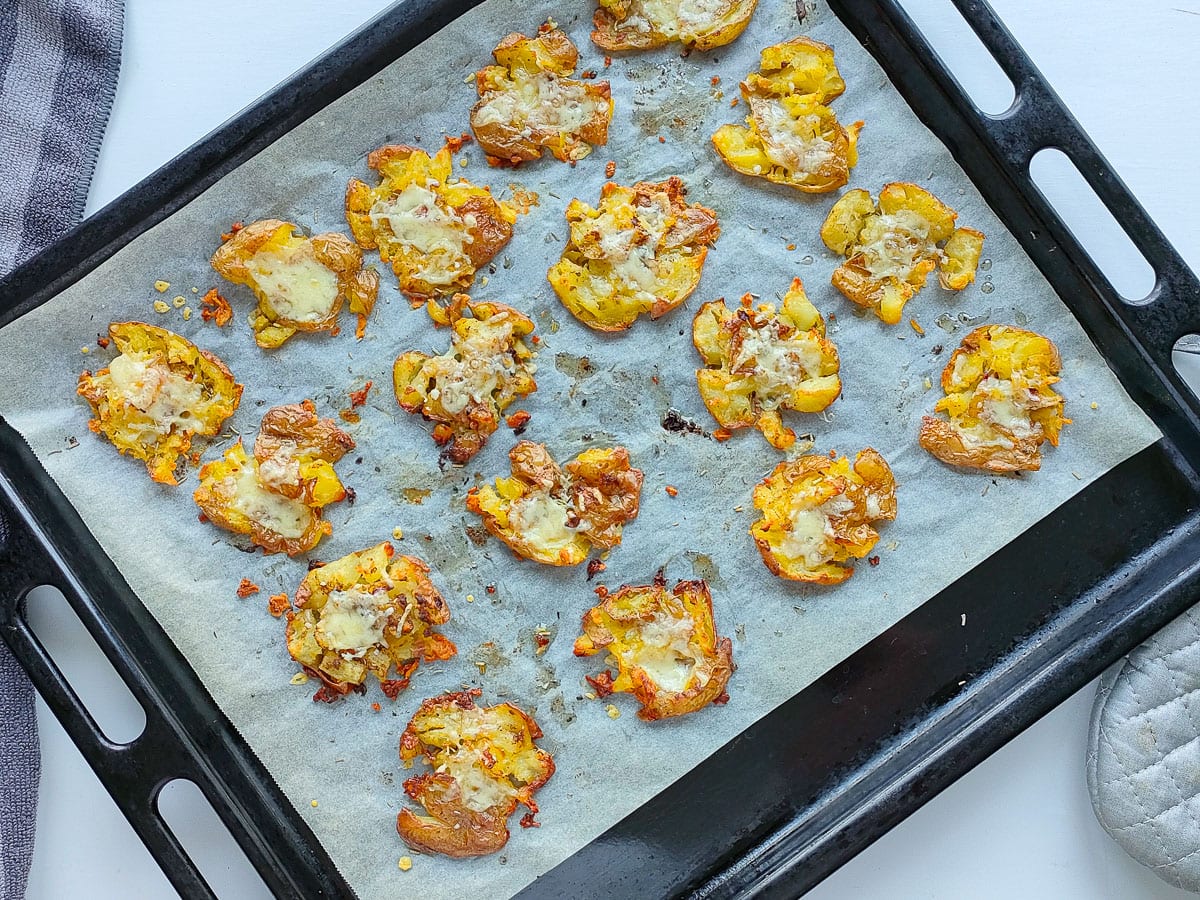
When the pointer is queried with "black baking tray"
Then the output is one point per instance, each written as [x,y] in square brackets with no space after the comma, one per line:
[818,779]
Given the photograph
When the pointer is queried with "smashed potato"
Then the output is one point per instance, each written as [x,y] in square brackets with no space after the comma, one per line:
[466,389]
[300,282]
[761,361]
[817,514]
[645,24]
[554,516]
[276,495]
[641,251]
[892,246]
[791,136]
[364,614]
[666,646]
[527,103]
[434,230]
[999,401]
[484,764]
[157,394]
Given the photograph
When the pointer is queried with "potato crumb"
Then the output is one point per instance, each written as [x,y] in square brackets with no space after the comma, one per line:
[278,604]
[927,383]
[178,301]
[610,168]
[195,290]
[1095,405]
[216,308]
[299,678]
[613,712]
[85,349]
[590,695]
[187,314]
[314,804]
[916,326]
[162,286]
[398,533]
[246,587]
[405,863]
[470,598]
[376,707]
[791,246]
[671,490]
[359,397]
[161,306]
[462,161]
[483,282]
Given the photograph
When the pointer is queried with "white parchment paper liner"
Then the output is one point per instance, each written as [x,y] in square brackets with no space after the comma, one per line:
[344,756]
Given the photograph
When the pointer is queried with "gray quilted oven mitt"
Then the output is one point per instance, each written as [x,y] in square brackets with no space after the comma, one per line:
[58,73]
[1144,754]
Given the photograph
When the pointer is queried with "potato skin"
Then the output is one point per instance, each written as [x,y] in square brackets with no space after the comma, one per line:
[130,427]
[846,499]
[493,745]
[1000,403]
[409,633]
[626,25]
[523,98]
[585,506]
[648,229]
[791,136]
[459,211]
[487,337]
[893,245]
[739,389]
[272,325]
[620,625]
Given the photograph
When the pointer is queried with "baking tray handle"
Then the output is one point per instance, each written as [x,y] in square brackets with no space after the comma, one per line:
[134,772]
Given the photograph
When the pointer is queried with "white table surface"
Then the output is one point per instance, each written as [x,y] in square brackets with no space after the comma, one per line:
[1019,825]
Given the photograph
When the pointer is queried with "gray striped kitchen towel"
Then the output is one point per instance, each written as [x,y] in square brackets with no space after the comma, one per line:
[58,72]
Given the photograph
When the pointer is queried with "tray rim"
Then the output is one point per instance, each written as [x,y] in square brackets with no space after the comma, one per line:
[415,14]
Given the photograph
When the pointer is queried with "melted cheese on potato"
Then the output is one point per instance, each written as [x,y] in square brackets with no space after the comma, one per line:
[286,517]
[298,285]
[147,383]
[352,621]
[892,244]
[542,519]
[794,142]
[415,218]
[773,365]
[541,101]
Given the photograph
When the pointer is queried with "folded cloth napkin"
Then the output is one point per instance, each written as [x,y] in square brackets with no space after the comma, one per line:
[1144,754]
[58,72]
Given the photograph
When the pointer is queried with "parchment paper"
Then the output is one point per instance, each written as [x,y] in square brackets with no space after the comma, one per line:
[344,756]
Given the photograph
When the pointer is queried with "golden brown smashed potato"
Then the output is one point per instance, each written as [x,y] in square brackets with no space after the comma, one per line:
[484,764]
[791,136]
[640,252]
[276,496]
[761,361]
[645,24]
[666,646]
[817,514]
[365,613]
[527,103]
[157,394]
[557,515]
[300,282]
[892,246]
[435,230]
[466,389]
[999,401]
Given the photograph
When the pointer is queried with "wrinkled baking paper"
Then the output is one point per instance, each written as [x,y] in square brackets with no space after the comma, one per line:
[785,635]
